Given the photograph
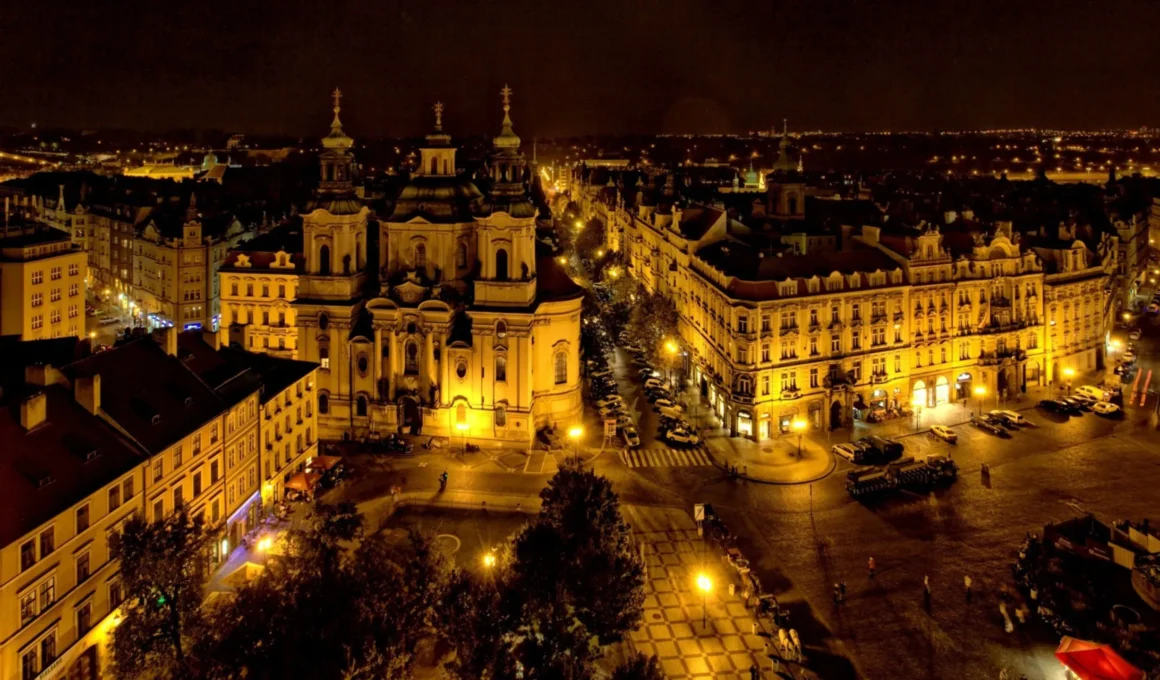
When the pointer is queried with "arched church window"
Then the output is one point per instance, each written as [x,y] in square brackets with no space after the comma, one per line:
[323,321]
[323,403]
[412,361]
[461,413]
[324,357]
[420,256]
[461,255]
[324,260]
[500,416]
[361,406]
[501,265]
[501,368]
[501,329]
[561,366]
[434,166]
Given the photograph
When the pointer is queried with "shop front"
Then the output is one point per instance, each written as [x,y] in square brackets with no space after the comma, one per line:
[942,391]
[919,394]
[745,424]
[963,386]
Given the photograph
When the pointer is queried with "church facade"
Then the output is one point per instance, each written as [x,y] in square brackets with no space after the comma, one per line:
[466,328]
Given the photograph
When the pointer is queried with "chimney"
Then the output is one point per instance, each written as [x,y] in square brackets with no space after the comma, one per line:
[42,375]
[33,411]
[167,338]
[88,393]
[212,339]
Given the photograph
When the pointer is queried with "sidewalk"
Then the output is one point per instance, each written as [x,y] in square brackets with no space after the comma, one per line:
[773,461]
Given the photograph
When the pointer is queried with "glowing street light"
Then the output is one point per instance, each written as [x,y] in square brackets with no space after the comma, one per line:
[462,427]
[489,560]
[799,426]
[1068,374]
[704,584]
[265,543]
[980,392]
[575,433]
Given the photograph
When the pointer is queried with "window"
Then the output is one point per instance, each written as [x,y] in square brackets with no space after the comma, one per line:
[361,406]
[411,363]
[37,321]
[834,314]
[323,403]
[84,618]
[813,317]
[501,265]
[158,469]
[72,311]
[420,256]
[788,320]
[177,457]
[561,368]
[74,290]
[213,433]
[47,542]
[856,371]
[116,596]
[281,290]
[813,377]
[764,385]
[82,518]
[54,295]
[765,323]
[38,276]
[765,352]
[265,290]
[47,593]
[461,255]
[897,363]
[48,649]
[813,347]
[233,289]
[158,509]
[835,343]
[878,336]
[213,472]
[114,498]
[178,499]
[83,568]
[128,488]
[37,299]
[28,606]
[856,341]
[501,368]
[500,416]
[324,358]
[323,261]
[743,324]
[54,317]
[54,274]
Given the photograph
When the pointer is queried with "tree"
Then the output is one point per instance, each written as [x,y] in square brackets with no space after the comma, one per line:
[639,667]
[652,321]
[163,569]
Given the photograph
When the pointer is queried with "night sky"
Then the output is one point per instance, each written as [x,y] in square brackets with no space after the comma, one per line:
[586,66]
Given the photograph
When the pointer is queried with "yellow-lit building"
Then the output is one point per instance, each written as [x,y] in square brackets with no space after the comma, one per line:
[69,481]
[42,284]
[781,325]
[474,331]
[259,281]
[288,439]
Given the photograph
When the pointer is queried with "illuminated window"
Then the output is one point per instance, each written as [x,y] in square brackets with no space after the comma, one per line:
[561,365]
[501,368]
[420,256]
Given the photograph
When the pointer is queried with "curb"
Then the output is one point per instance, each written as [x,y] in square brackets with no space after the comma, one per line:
[827,473]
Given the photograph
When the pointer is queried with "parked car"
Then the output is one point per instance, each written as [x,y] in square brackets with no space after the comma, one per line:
[1056,406]
[602,373]
[653,382]
[849,452]
[1009,417]
[682,437]
[648,372]
[1134,334]
[1129,357]
[610,400]
[611,410]
[667,403]
[1106,408]
[654,395]
[631,437]
[881,449]
[1076,403]
[669,411]
[944,433]
[109,320]
[987,425]
[1093,392]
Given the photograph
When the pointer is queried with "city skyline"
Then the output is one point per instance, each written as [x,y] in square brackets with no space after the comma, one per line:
[686,67]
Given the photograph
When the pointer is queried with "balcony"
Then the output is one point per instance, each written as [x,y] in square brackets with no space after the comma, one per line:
[878,318]
[898,316]
[746,335]
[876,378]
[1000,302]
[815,327]
[786,330]
[742,397]
[791,393]
[835,324]
[998,356]
[855,322]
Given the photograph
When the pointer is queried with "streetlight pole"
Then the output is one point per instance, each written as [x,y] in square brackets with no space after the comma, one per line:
[705,585]
[462,427]
[575,434]
[979,392]
[799,424]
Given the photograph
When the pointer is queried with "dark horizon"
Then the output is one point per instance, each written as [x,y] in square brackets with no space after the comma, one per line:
[592,68]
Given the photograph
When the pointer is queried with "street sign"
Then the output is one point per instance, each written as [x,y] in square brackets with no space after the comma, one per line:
[699,512]
[610,427]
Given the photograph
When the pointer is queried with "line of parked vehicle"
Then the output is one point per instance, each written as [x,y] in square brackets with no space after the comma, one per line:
[889,469]
[1084,398]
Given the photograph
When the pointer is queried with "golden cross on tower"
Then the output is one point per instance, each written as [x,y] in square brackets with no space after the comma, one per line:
[438,115]
[337,94]
[507,97]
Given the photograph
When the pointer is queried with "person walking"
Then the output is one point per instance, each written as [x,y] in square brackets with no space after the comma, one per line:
[967,585]
[443,481]
[870,564]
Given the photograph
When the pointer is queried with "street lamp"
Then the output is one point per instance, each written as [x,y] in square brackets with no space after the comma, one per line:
[980,391]
[1068,374]
[799,426]
[575,433]
[462,427]
[671,349]
[489,559]
[705,585]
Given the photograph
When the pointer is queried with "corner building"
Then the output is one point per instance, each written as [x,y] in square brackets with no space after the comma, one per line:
[467,329]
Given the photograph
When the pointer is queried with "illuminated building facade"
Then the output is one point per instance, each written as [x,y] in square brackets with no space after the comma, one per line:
[259,282]
[471,331]
[784,325]
[42,284]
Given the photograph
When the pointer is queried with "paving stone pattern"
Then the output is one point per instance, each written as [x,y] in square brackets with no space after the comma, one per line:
[726,647]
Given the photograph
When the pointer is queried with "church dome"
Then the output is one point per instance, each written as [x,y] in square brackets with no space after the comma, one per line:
[438,198]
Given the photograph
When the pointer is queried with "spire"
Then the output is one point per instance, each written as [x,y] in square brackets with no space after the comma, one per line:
[60,198]
[507,105]
[784,162]
[337,139]
[507,137]
[438,108]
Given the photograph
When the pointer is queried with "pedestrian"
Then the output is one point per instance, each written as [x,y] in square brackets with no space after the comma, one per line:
[753,673]
[837,594]
[926,584]
[967,584]
[871,566]
[842,587]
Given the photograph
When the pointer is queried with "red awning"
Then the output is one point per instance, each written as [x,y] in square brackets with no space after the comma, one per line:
[323,463]
[1094,661]
[304,481]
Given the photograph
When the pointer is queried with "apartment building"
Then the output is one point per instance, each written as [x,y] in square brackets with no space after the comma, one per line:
[42,283]
[259,281]
[75,480]
[778,322]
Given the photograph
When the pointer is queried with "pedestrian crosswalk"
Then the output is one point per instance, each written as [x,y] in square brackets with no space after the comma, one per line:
[664,458]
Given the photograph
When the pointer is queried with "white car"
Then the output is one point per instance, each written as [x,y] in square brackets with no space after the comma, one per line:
[944,433]
[666,403]
[1105,408]
[847,451]
[611,410]
[682,437]
[625,421]
[653,382]
[1010,416]
[610,400]
[1129,357]
[631,437]
[1135,334]
[601,374]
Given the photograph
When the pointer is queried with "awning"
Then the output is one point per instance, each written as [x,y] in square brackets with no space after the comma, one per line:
[324,463]
[1095,661]
[304,481]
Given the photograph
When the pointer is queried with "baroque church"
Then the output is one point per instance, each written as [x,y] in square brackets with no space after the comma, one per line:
[461,324]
